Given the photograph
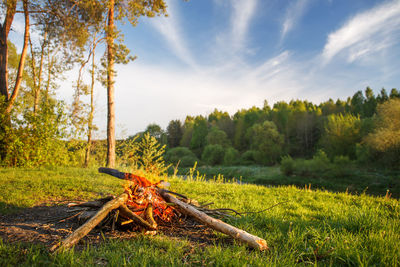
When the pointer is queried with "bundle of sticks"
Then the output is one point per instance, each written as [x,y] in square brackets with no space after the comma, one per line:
[143,204]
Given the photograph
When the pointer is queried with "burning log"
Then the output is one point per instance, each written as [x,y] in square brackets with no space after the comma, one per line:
[243,236]
[125,211]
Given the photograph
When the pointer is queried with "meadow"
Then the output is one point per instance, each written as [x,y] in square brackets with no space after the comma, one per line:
[355,180]
[307,227]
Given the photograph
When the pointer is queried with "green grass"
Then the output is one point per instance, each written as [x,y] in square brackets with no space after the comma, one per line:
[374,182]
[309,226]
[22,188]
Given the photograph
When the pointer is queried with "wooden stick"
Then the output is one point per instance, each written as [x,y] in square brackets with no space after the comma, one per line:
[149,216]
[98,203]
[82,231]
[126,212]
[243,236]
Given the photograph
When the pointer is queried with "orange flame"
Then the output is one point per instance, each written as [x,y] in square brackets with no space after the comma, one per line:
[142,193]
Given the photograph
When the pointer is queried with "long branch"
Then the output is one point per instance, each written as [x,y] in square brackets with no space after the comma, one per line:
[243,236]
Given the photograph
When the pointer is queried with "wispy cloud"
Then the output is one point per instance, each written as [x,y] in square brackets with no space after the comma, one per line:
[294,13]
[367,32]
[170,28]
[243,12]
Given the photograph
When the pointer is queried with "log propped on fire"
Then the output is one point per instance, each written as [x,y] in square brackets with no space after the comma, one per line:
[143,204]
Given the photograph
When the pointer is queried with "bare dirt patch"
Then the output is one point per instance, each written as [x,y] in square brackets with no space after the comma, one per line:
[47,225]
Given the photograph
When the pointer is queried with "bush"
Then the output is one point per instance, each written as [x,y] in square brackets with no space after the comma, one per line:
[287,165]
[33,140]
[183,155]
[318,166]
[342,166]
[231,156]
[248,158]
[213,154]
[320,163]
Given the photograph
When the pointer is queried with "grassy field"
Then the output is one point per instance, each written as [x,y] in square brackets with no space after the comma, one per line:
[356,181]
[309,227]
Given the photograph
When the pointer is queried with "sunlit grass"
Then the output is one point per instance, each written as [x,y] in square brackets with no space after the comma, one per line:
[307,227]
[357,180]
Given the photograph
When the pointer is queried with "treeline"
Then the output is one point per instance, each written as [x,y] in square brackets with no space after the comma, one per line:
[365,128]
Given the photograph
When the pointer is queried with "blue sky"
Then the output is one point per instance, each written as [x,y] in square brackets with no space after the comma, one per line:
[233,54]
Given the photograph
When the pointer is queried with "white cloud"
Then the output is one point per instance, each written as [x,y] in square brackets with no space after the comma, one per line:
[170,28]
[294,13]
[368,32]
[243,12]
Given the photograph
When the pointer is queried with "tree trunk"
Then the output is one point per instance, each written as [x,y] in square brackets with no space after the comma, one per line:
[110,88]
[22,60]
[39,84]
[4,30]
[34,77]
[90,121]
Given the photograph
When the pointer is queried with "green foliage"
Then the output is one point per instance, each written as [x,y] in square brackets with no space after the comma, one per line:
[248,158]
[200,131]
[266,141]
[127,152]
[174,133]
[181,155]
[213,154]
[318,166]
[287,165]
[231,156]
[155,131]
[217,137]
[385,139]
[187,132]
[341,134]
[38,140]
[149,155]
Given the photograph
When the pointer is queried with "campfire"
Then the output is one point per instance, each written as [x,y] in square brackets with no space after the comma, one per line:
[144,205]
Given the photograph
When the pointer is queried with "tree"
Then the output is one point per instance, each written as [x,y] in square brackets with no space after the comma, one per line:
[266,141]
[200,131]
[370,103]
[382,145]
[223,121]
[155,131]
[382,96]
[386,135]
[174,133]
[394,93]
[187,132]
[341,134]
[213,154]
[217,137]
[130,10]
[59,19]
[4,31]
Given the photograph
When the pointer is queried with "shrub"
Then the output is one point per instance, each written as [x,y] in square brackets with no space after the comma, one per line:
[213,154]
[33,140]
[183,155]
[319,163]
[248,158]
[231,156]
[287,165]
[342,166]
